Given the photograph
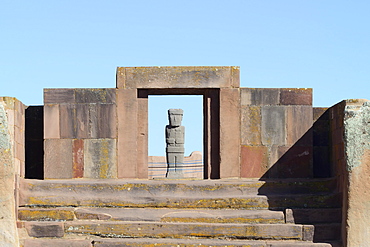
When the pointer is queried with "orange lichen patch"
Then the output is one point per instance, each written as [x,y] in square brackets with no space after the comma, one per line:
[46,214]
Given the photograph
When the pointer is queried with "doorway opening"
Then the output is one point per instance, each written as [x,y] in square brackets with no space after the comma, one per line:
[192,106]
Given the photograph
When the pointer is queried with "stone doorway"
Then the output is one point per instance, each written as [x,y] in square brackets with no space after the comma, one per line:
[192,106]
[219,87]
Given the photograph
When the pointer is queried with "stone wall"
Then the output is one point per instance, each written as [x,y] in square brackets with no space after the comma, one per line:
[350,156]
[80,131]
[12,160]
[276,136]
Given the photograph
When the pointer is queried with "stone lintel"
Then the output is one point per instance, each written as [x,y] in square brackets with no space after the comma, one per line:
[178,77]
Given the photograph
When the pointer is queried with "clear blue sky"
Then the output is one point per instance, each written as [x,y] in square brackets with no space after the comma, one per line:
[323,45]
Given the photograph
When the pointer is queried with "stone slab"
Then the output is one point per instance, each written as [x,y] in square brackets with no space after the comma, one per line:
[311,216]
[178,77]
[57,243]
[58,158]
[250,125]
[96,95]
[51,121]
[68,121]
[183,230]
[81,120]
[296,96]
[273,125]
[45,229]
[259,96]
[78,158]
[45,214]
[254,161]
[299,121]
[295,162]
[59,95]
[100,159]
[229,133]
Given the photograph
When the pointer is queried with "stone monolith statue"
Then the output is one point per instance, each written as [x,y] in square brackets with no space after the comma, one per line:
[175,144]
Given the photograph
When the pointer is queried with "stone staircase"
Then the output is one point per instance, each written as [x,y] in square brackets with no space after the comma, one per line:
[243,212]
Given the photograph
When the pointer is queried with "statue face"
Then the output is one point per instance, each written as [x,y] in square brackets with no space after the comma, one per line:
[175,119]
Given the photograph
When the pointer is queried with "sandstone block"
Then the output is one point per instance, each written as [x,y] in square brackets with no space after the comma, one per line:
[57,243]
[58,158]
[295,162]
[260,96]
[82,121]
[296,96]
[254,161]
[96,95]
[273,125]
[178,77]
[299,121]
[68,125]
[78,158]
[59,96]
[44,229]
[100,159]
[51,121]
[250,125]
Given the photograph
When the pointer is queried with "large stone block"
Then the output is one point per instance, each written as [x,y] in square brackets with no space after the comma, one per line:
[51,121]
[45,230]
[250,125]
[254,161]
[59,95]
[58,158]
[78,158]
[68,125]
[273,125]
[295,162]
[299,122]
[296,96]
[178,77]
[57,243]
[260,96]
[100,159]
[82,120]
[96,95]
[127,111]
[229,132]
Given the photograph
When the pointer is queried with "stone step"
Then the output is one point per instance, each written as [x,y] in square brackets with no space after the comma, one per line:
[182,187]
[141,229]
[184,194]
[139,242]
[152,214]
[313,215]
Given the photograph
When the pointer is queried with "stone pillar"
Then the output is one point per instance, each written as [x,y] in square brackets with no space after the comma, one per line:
[356,176]
[9,172]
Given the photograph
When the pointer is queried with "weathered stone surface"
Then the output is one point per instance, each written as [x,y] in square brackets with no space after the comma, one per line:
[311,216]
[45,214]
[68,121]
[177,77]
[8,231]
[259,96]
[78,158]
[58,158]
[320,113]
[180,230]
[254,161]
[250,125]
[82,120]
[273,125]
[299,121]
[51,121]
[107,121]
[57,243]
[100,159]
[127,111]
[296,96]
[44,229]
[308,232]
[356,173]
[96,95]
[229,132]
[295,162]
[86,214]
[59,96]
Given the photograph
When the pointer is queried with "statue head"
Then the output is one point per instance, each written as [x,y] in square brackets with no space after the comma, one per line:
[175,117]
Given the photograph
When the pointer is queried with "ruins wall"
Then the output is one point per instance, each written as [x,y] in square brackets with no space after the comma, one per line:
[80,132]
[276,133]
[12,158]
